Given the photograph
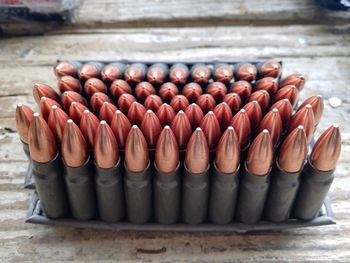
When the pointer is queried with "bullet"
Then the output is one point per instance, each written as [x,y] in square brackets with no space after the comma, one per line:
[136,113]
[262,97]
[206,102]
[195,187]
[109,181]
[200,73]
[304,117]
[211,129]
[45,106]
[285,110]
[24,116]
[137,178]
[218,90]
[43,90]
[233,100]
[165,114]
[270,68]
[76,111]
[69,83]
[242,88]
[269,84]
[223,73]
[298,80]
[96,101]
[88,126]
[241,123]
[195,115]
[167,183]
[179,102]
[56,121]
[289,92]
[90,70]
[68,97]
[317,105]
[224,182]
[120,126]
[151,128]
[254,113]
[168,91]
[112,72]
[178,73]
[143,90]
[223,114]
[125,101]
[135,73]
[254,182]
[273,123]
[181,127]
[47,168]
[94,85]
[192,91]
[118,88]
[157,73]
[107,111]
[64,68]
[153,102]
[78,173]
[318,174]
[245,71]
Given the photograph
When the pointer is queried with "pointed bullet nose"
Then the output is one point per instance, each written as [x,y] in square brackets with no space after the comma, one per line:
[110,73]
[195,115]
[223,73]
[206,102]
[119,87]
[107,111]
[260,154]
[200,74]
[269,84]
[168,91]
[254,113]
[88,126]
[120,126]
[167,151]
[218,90]
[179,102]
[305,118]
[157,73]
[74,149]
[228,152]
[69,96]
[76,111]
[293,151]
[136,113]
[211,129]
[246,72]
[285,110]
[241,123]
[43,90]
[326,151]
[125,101]
[57,121]
[24,116]
[94,85]
[223,114]
[298,80]
[165,114]
[97,99]
[69,83]
[143,90]
[42,145]
[273,123]
[135,73]
[242,88]
[234,101]
[88,71]
[317,105]
[192,91]
[197,153]
[179,74]
[106,151]
[181,127]
[289,92]
[153,103]
[262,97]
[136,151]
[45,106]
[151,128]
[64,68]
[270,68]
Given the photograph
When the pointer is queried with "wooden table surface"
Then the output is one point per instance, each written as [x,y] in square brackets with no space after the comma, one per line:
[307,38]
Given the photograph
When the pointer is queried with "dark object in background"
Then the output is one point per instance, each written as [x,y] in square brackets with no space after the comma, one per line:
[337,5]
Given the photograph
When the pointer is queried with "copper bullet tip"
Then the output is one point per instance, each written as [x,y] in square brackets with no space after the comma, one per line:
[273,123]
[74,151]
[246,72]
[304,117]
[76,111]
[120,126]
[110,73]
[260,154]
[195,115]
[24,116]
[97,99]
[135,73]
[45,106]
[206,102]
[88,71]
[181,127]
[136,151]
[223,73]
[293,151]
[179,73]
[119,87]
[254,113]
[153,103]
[143,90]
[295,79]
[317,105]
[157,73]
[106,151]
[69,96]
[57,120]
[285,110]
[270,68]
[151,128]
[107,111]
[136,113]
[218,90]
[200,73]
[64,68]
[69,83]
[241,123]
[125,101]
[192,91]
[43,90]
[179,102]
[165,114]
[269,84]
[168,91]
[242,88]
[223,114]
[228,152]
[289,92]
[41,141]
[326,151]
[262,97]
[94,85]
[167,151]
[88,126]
[197,153]
[211,129]
[234,101]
